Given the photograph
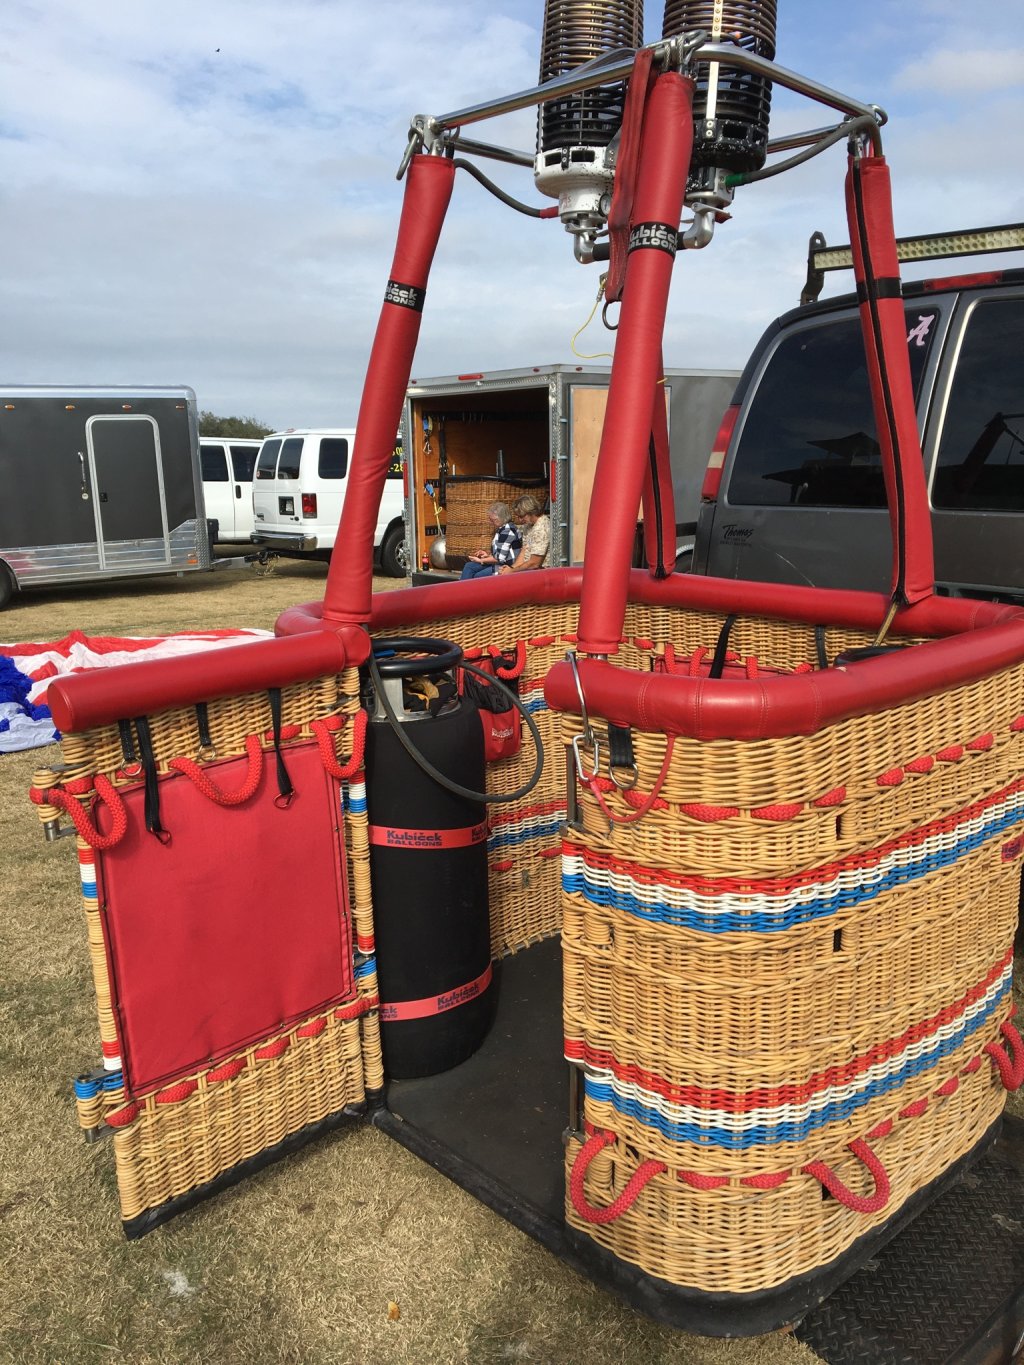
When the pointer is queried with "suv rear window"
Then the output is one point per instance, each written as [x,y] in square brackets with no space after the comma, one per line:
[213,463]
[333,457]
[809,436]
[980,461]
[267,463]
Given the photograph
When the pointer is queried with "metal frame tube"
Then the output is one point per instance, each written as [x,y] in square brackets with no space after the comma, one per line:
[618,70]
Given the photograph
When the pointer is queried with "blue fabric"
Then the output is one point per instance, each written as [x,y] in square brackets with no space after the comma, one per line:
[475,570]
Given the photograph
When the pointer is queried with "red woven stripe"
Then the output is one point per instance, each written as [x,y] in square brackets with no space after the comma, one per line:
[717,886]
[741,1102]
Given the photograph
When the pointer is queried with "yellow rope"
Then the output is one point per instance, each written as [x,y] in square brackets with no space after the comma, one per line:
[598,355]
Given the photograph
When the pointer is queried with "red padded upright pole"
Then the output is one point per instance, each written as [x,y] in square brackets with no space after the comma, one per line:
[636,368]
[428,190]
[659,502]
[876,266]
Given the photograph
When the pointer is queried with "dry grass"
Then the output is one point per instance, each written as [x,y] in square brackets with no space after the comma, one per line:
[298,1264]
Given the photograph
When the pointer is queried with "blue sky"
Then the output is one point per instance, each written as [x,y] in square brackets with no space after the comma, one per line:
[205,193]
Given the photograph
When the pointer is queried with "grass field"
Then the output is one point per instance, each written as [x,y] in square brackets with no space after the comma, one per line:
[299,1263]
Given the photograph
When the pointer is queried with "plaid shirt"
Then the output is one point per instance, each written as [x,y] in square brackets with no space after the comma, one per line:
[506,544]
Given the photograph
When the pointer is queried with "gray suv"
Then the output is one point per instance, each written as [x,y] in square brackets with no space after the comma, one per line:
[794,491]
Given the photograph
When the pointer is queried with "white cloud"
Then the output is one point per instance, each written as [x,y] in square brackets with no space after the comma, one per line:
[225,218]
[983,70]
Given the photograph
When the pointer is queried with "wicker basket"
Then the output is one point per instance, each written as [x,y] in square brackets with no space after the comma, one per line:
[467,499]
[191,1131]
[787,969]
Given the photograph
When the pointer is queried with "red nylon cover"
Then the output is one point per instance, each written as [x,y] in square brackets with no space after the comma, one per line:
[232,931]
[625,172]
[636,368]
[873,239]
[658,495]
[428,189]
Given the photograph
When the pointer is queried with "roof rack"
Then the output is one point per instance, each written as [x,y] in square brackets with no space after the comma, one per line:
[935,246]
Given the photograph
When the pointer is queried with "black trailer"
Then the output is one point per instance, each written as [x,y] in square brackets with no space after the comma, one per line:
[99,483]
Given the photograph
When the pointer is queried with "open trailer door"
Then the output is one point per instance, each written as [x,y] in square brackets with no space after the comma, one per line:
[223,850]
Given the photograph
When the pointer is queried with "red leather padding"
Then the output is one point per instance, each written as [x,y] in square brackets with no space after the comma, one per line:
[350,580]
[869,209]
[235,929]
[102,695]
[770,707]
[636,368]
[815,606]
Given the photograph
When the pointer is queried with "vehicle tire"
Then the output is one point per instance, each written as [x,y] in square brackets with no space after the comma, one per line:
[8,586]
[394,554]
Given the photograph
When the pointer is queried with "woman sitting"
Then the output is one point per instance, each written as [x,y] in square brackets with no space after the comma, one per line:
[505,545]
[536,535]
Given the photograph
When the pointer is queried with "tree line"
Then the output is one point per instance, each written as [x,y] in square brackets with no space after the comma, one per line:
[212,425]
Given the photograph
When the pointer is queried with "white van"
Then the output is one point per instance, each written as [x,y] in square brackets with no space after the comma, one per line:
[299,489]
[228,464]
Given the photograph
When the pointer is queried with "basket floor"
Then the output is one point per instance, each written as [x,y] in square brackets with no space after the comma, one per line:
[503,1111]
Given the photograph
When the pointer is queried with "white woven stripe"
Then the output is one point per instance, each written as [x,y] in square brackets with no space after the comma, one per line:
[795,1113]
[849,880]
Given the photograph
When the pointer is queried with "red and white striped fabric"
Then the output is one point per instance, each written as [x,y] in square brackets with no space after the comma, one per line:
[21,727]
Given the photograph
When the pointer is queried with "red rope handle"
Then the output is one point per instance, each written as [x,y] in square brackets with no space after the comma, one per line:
[860,1203]
[640,1177]
[1011,1071]
[107,793]
[329,756]
[209,788]
[648,801]
[507,673]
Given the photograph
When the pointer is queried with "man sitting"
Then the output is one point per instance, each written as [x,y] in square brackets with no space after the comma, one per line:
[505,545]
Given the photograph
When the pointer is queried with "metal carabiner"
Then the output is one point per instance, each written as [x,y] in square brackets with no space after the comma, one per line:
[632,772]
[587,739]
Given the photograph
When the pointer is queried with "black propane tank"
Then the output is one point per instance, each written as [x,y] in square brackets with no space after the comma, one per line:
[428,866]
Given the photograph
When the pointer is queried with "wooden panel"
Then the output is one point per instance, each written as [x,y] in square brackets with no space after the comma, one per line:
[586,424]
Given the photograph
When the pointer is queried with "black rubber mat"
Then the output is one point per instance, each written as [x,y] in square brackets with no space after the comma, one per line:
[505,1109]
[949,1288]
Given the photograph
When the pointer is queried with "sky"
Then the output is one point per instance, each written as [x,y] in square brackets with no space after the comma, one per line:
[205,193]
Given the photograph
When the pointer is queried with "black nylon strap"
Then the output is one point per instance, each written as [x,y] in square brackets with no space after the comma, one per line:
[203,725]
[405,295]
[152,797]
[718,662]
[620,746]
[124,729]
[886,288]
[819,645]
[284,782]
[660,236]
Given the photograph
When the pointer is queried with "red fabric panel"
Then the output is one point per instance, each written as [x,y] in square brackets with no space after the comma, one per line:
[235,929]
[625,172]
[665,498]
[773,706]
[636,368]
[428,189]
[102,695]
[872,236]
[816,606]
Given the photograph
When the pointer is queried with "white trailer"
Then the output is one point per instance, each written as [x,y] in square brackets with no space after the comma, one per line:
[98,483]
[473,439]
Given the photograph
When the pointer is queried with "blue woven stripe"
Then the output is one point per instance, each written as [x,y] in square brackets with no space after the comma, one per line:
[86,1087]
[356,804]
[505,838]
[113,1080]
[761,921]
[796,1131]
[367,967]
[89,889]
